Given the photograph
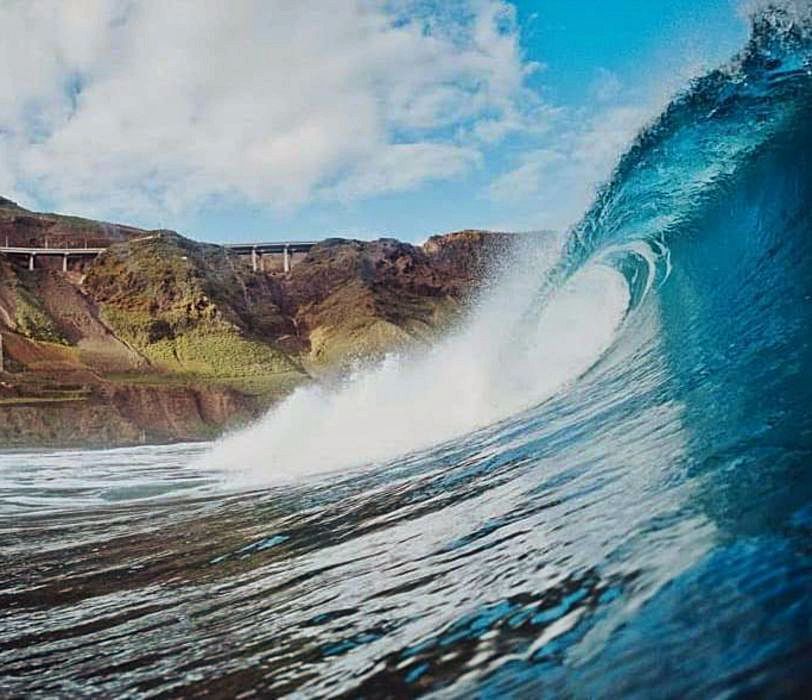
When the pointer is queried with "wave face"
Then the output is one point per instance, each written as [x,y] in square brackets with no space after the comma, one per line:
[627,512]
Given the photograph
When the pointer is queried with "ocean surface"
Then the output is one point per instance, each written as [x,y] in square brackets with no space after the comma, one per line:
[599,486]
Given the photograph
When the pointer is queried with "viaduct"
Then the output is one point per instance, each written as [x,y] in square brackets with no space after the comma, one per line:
[285,249]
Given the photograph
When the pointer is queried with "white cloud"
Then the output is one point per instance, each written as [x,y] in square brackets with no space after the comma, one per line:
[552,182]
[403,166]
[113,106]
[606,86]
[560,177]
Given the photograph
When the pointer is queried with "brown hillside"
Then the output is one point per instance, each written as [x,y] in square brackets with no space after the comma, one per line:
[177,340]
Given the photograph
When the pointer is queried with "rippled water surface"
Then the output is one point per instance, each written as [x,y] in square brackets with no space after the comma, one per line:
[568,550]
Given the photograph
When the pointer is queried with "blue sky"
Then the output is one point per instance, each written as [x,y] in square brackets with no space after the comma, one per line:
[298,120]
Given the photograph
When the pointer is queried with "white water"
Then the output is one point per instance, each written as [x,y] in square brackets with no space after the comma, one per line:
[492,368]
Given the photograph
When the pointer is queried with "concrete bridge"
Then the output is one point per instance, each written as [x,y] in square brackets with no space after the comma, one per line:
[64,253]
[256,250]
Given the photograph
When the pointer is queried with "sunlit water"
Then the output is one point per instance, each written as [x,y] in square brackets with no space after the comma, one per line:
[606,488]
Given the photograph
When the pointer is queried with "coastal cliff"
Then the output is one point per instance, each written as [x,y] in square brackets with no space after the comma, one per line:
[162,338]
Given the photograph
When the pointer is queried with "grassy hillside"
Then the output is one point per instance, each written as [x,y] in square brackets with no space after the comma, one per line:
[187,309]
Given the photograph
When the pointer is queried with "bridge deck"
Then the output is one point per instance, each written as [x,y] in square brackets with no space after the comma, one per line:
[23,250]
[284,248]
[274,247]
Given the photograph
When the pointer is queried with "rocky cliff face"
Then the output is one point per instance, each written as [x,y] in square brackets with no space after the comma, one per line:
[163,338]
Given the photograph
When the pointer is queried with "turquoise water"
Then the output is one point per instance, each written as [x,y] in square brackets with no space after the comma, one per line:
[643,532]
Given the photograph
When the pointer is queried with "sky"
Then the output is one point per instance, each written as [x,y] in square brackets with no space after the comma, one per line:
[272,119]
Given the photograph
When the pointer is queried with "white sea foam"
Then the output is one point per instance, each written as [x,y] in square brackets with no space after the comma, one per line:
[493,367]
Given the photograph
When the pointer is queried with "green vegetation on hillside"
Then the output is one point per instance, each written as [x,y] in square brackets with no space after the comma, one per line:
[183,307]
[30,317]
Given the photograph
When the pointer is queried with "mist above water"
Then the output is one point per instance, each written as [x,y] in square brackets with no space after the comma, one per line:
[505,357]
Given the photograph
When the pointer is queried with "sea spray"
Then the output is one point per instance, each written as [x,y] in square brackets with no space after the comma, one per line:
[497,364]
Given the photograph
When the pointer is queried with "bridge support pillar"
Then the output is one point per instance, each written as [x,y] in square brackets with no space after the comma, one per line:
[31,261]
[65,263]
[286,259]
[254,259]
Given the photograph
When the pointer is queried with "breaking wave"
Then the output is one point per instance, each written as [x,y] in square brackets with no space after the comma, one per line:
[498,365]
